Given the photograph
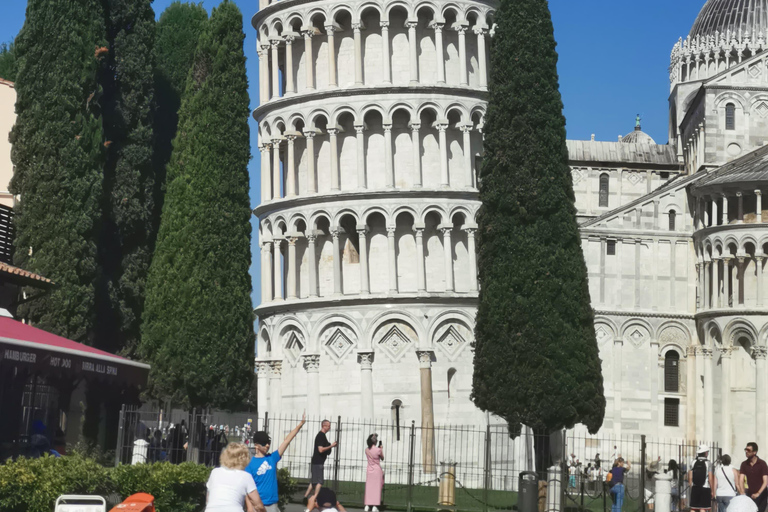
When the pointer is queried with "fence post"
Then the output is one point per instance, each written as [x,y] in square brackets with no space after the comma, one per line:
[119,451]
[409,490]
[487,479]
[266,422]
[337,456]
[564,471]
[191,433]
[642,472]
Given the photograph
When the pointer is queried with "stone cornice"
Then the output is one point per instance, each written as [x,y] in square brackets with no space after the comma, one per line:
[735,312]
[628,234]
[378,90]
[346,301]
[317,199]
[640,314]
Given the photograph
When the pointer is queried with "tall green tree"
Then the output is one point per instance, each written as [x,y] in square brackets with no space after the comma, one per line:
[177,33]
[58,154]
[536,357]
[8,64]
[198,319]
[128,199]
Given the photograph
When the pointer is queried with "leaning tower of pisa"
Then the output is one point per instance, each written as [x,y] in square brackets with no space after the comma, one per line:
[370,130]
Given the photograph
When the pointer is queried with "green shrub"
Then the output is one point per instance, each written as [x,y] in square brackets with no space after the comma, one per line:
[180,488]
[285,487]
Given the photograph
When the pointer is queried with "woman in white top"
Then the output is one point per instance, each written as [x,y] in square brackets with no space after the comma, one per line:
[725,483]
[229,487]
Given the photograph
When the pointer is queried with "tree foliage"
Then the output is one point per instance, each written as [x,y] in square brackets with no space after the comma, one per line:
[8,64]
[58,154]
[198,320]
[128,200]
[536,357]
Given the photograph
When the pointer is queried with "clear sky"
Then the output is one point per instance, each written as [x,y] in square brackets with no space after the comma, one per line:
[614,59]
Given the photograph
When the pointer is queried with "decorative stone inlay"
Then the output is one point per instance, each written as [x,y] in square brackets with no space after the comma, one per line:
[602,334]
[636,337]
[673,335]
[577,176]
[395,343]
[634,177]
[294,347]
[762,109]
[755,71]
[451,341]
[338,340]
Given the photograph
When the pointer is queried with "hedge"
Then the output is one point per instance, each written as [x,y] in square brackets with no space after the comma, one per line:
[32,485]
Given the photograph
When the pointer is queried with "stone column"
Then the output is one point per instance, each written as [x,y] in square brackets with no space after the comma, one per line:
[266,170]
[291,267]
[275,387]
[385,51]
[760,393]
[481,56]
[413,53]
[709,403]
[759,209]
[392,259]
[759,284]
[663,488]
[740,219]
[740,280]
[331,56]
[472,253]
[262,388]
[360,139]
[278,271]
[467,149]
[290,87]
[268,272]
[690,397]
[427,412]
[311,238]
[725,209]
[439,51]
[276,178]
[336,262]
[366,384]
[420,276]
[655,213]
[444,178]
[290,174]
[416,154]
[332,133]
[311,181]
[725,398]
[713,215]
[312,366]
[726,281]
[654,364]
[718,299]
[309,59]
[362,231]
[389,168]
[462,30]
[617,380]
[263,75]
[358,53]
[448,257]
[275,68]
[707,285]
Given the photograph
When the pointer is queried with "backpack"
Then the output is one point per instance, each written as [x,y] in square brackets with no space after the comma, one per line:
[699,472]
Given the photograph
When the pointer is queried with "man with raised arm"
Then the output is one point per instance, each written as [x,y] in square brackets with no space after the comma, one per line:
[321,451]
[263,466]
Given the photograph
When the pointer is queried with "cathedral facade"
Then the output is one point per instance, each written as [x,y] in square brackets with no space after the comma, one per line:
[370,129]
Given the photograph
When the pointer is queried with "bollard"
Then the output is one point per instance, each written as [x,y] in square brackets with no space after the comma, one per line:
[447,495]
[663,499]
[554,486]
[140,447]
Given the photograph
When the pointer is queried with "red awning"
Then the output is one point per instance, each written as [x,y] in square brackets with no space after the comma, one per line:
[35,350]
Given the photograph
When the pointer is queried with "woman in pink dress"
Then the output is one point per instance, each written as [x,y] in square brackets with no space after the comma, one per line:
[374,480]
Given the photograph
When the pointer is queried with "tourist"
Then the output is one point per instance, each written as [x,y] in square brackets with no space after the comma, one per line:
[263,465]
[326,501]
[620,468]
[374,478]
[675,493]
[753,472]
[725,483]
[320,452]
[230,488]
[701,480]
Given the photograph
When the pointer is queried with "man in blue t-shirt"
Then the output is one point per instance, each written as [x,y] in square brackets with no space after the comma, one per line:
[263,466]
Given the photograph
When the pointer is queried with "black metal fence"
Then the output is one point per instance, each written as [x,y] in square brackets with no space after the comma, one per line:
[462,467]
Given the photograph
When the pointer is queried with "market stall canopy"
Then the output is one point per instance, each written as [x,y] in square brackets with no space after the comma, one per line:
[36,351]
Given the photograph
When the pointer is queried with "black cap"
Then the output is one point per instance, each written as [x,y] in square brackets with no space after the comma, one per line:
[261,438]
[326,498]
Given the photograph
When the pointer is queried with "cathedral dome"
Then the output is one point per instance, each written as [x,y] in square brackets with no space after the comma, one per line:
[750,17]
[637,136]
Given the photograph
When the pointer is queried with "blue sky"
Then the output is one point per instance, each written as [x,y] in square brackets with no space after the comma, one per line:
[613,65]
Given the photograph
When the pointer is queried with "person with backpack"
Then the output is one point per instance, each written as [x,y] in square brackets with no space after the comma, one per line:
[701,480]
[753,472]
[725,483]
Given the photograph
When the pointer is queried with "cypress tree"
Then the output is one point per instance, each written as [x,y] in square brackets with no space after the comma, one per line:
[58,155]
[177,32]
[536,357]
[198,319]
[8,61]
[128,207]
